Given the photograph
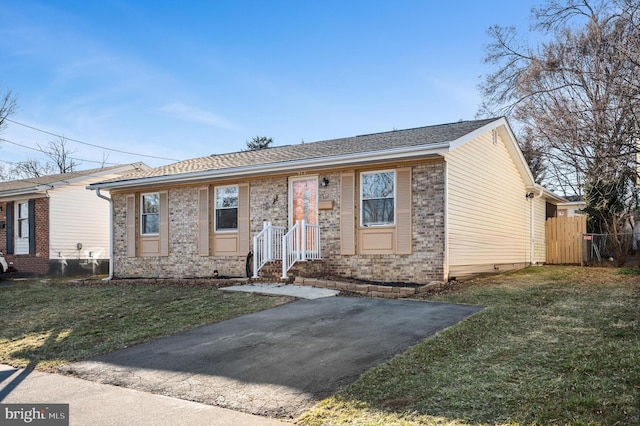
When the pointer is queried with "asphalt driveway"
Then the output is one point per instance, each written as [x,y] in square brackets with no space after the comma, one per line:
[276,362]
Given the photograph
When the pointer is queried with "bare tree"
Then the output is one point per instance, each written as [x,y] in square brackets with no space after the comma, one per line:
[534,153]
[577,95]
[8,106]
[6,172]
[60,155]
[105,157]
[32,169]
[60,162]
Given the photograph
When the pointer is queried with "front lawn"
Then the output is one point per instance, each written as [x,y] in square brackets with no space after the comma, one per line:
[555,345]
[44,324]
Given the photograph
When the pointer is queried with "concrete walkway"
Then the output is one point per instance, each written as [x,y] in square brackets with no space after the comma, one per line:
[301,292]
[105,405]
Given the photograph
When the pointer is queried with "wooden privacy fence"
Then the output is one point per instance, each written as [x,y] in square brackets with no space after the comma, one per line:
[563,239]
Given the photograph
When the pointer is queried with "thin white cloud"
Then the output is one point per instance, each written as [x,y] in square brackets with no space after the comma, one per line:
[188,113]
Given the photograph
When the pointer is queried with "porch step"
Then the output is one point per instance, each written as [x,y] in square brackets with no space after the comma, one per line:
[272,271]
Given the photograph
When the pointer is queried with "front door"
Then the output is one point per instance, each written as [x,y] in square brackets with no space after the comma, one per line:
[303,201]
[303,204]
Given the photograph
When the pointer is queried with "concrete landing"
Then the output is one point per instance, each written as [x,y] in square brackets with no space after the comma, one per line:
[301,292]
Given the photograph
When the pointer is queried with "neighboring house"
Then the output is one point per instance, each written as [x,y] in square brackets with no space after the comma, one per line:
[570,208]
[416,205]
[53,225]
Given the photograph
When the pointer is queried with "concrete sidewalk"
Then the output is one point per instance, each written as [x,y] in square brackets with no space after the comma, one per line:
[98,404]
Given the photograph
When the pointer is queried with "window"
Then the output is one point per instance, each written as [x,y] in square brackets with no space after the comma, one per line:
[226,208]
[149,223]
[377,198]
[23,220]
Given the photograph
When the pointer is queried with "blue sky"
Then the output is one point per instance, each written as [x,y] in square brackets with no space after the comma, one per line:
[186,79]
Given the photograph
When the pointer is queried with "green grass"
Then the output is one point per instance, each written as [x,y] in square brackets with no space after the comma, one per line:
[631,270]
[555,345]
[44,324]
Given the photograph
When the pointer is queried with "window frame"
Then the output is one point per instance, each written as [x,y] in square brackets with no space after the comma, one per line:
[394,197]
[143,214]
[21,221]
[215,209]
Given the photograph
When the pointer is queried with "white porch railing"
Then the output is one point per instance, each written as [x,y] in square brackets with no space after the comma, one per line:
[267,246]
[300,243]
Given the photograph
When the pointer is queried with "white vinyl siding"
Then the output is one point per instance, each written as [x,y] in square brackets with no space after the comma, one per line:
[77,215]
[487,211]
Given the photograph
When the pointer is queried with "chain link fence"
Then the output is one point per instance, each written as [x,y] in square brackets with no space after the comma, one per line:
[601,249]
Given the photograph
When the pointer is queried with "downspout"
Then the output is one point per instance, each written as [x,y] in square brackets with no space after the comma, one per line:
[446,220]
[532,225]
[104,197]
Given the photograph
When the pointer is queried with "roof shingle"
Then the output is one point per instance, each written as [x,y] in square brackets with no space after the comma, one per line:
[35,182]
[421,136]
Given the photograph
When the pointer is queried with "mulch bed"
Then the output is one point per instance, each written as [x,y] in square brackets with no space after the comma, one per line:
[371,282]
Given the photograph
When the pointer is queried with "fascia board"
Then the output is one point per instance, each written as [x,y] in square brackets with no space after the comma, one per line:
[297,165]
[548,195]
[477,133]
[552,195]
[574,204]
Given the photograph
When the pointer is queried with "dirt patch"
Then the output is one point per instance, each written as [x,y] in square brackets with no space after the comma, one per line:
[211,282]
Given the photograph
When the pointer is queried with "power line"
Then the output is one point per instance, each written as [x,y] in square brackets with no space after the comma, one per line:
[20,145]
[42,152]
[87,143]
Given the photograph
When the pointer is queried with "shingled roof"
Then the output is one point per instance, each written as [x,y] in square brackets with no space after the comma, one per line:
[41,183]
[429,137]
[371,143]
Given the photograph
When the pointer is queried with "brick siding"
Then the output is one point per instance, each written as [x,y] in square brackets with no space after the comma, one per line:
[424,265]
[37,263]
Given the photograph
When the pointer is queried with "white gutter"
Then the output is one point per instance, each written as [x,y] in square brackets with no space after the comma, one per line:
[304,164]
[32,190]
[110,277]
